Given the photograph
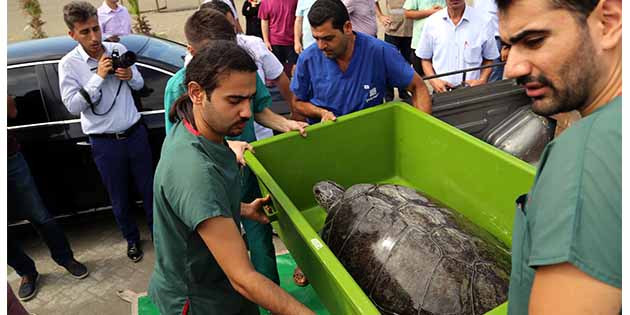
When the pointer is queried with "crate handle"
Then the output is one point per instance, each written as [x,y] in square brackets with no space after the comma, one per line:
[269,209]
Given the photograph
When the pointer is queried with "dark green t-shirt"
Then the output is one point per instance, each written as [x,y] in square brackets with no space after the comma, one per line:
[573,212]
[262,99]
[195,180]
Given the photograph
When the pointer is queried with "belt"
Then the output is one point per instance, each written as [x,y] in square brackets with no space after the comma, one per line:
[119,135]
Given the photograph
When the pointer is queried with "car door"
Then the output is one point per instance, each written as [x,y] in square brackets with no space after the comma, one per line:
[150,102]
[76,173]
[43,141]
[82,172]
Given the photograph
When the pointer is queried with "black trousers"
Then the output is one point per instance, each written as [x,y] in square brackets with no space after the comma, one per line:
[404,46]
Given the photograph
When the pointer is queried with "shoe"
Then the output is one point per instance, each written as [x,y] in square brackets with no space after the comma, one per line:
[28,287]
[76,269]
[134,252]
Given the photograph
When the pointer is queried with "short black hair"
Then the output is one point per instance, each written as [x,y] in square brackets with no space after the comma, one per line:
[78,11]
[217,5]
[206,25]
[582,8]
[323,11]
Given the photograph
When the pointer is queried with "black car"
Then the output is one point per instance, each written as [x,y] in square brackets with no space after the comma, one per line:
[51,140]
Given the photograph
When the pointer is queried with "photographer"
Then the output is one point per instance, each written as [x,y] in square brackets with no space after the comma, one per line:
[95,80]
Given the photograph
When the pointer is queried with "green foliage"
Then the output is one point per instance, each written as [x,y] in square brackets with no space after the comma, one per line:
[140,24]
[34,10]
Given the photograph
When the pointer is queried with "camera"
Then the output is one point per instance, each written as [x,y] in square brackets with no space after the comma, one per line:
[125,60]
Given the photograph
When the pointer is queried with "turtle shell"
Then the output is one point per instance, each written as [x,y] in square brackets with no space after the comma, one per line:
[411,256]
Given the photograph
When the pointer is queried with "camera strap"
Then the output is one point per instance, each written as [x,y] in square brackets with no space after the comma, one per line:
[87,98]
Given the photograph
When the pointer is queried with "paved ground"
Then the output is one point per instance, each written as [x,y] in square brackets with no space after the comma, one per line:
[96,241]
[168,24]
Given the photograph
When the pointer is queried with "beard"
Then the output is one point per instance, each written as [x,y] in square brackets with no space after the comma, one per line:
[576,77]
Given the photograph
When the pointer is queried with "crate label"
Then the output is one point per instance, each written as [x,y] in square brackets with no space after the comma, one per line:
[318,245]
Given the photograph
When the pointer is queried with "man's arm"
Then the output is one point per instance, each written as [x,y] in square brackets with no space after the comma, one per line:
[385,19]
[421,14]
[565,289]
[297,35]
[224,241]
[69,86]
[277,122]
[264,26]
[421,97]
[309,110]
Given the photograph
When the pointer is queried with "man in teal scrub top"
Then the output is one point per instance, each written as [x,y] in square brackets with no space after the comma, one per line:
[203,26]
[201,262]
[566,246]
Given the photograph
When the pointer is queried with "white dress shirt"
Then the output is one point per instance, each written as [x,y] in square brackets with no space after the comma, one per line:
[114,21]
[455,47]
[490,6]
[269,67]
[78,70]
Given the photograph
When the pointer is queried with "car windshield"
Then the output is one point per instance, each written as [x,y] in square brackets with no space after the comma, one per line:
[165,51]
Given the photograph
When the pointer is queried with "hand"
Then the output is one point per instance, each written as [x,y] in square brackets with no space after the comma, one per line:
[113,38]
[327,115]
[239,147]
[268,44]
[253,210]
[298,48]
[124,74]
[298,126]
[437,7]
[475,82]
[385,20]
[440,86]
[104,66]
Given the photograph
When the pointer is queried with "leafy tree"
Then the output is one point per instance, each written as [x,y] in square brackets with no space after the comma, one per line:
[34,10]
[141,24]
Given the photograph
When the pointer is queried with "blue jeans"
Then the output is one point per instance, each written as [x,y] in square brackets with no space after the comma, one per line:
[497,72]
[118,161]
[25,203]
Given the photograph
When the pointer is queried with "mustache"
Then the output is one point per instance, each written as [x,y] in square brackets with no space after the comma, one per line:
[534,79]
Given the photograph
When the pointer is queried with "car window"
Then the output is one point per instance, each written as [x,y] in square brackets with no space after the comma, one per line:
[152,94]
[50,90]
[23,85]
[165,51]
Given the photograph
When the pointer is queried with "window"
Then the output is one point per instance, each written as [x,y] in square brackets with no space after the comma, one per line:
[23,85]
[152,94]
[165,51]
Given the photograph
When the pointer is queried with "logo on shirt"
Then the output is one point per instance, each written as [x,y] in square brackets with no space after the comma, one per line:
[373,94]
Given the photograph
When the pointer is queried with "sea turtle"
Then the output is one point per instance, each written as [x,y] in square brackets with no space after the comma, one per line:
[412,256]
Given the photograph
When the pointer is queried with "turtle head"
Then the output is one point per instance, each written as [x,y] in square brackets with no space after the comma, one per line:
[327,193]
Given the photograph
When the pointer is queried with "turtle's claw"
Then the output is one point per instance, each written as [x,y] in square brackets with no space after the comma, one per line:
[299,278]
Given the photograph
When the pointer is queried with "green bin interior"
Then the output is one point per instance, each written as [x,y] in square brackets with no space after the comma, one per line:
[391,143]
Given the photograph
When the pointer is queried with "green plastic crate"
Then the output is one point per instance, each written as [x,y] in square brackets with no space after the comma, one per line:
[391,143]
